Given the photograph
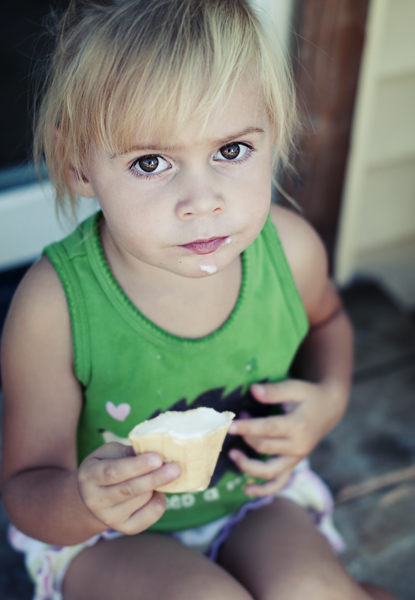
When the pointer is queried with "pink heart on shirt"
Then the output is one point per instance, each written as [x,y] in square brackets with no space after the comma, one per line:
[120,412]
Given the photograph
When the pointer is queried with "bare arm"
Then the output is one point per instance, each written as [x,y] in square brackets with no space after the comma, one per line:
[326,355]
[42,402]
[44,493]
[317,399]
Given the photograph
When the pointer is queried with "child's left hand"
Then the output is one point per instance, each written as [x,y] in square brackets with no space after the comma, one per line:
[311,412]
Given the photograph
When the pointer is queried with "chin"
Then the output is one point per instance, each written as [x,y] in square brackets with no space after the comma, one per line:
[199,272]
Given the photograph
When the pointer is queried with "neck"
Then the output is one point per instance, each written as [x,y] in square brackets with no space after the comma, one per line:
[183,306]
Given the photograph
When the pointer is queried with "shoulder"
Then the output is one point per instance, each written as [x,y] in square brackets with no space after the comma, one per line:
[303,247]
[41,396]
[39,309]
[40,288]
[307,259]
[295,231]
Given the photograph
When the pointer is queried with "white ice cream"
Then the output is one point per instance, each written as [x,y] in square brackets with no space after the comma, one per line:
[209,269]
[185,425]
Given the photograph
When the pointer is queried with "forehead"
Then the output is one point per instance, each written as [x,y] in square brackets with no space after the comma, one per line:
[239,113]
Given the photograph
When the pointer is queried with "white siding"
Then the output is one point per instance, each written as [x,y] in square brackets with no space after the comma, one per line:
[377,226]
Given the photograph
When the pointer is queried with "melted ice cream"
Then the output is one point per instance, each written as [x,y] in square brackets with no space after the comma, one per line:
[209,269]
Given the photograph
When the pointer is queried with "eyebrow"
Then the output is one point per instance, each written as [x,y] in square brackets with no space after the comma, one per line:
[221,142]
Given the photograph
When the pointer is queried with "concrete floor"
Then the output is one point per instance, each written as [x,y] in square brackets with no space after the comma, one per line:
[374,445]
[368,460]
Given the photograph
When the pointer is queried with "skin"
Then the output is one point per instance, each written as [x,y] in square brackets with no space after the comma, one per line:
[195,194]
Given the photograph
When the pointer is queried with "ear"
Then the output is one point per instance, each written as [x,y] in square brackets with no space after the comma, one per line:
[80,183]
[75,178]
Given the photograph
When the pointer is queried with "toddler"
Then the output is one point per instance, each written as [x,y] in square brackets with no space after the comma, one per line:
[186,289]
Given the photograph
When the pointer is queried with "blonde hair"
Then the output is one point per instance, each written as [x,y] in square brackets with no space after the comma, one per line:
[157,62]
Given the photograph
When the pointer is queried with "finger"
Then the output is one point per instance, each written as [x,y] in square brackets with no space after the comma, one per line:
[276,393]
[136,515]
[143,518]
[121,493]
[115,515]
[102,501]
[271,427]
[269,488]
[268,469]
[111,471]
[112,450]
[272,446]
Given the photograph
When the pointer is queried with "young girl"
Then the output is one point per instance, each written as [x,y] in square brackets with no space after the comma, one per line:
[187,289]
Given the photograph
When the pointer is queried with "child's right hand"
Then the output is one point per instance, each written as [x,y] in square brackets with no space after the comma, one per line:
[118,488]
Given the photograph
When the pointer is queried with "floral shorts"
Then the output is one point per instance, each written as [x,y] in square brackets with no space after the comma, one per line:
[47,564]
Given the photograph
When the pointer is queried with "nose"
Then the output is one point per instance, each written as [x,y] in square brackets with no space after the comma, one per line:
[200,199]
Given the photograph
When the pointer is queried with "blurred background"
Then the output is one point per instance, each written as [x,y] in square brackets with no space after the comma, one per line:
[354,65]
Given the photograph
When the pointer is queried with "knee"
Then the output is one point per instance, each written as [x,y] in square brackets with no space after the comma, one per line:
[321,585]
[199,587]
[376,592]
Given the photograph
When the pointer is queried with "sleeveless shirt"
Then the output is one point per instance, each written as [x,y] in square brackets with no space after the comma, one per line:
[132,370]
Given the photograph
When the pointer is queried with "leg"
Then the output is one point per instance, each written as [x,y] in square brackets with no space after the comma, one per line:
[147,567]
[377,593]
[276,552]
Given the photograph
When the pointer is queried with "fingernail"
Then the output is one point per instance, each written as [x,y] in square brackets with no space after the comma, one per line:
[154,461]
[173,471]
[233,428]
[233,454]
[258,389]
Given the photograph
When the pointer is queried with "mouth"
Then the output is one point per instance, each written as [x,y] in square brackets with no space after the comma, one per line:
[207,246]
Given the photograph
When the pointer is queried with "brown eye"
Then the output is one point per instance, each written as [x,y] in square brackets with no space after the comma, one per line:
[230,151]
[148,163]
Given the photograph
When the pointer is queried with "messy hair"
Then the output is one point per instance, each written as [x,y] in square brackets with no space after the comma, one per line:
[117,63]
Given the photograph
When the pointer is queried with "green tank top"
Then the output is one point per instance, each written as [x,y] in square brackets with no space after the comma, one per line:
[131,370]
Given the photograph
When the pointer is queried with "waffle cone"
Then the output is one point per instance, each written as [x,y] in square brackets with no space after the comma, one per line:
[196,456]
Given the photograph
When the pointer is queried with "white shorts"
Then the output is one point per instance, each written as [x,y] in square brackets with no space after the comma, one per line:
[47,564]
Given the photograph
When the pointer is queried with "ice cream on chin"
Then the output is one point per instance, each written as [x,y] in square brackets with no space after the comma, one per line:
[192,439]
[209,269]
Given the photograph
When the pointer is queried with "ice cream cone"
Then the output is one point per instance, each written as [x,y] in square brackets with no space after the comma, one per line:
[192,439]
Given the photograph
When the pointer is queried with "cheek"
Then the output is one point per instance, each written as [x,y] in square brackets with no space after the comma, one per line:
[259,206]
[257,194]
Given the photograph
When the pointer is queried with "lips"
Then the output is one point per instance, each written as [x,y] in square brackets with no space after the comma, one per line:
[206,246]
